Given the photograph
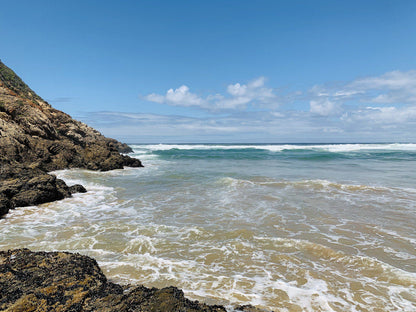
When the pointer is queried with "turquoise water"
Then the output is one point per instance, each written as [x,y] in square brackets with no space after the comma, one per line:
[283,227]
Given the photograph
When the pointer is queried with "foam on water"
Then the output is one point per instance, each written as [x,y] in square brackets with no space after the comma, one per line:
[278,147]
[324,186]
[275,233]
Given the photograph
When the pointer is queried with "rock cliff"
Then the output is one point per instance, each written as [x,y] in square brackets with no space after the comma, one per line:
[36,138]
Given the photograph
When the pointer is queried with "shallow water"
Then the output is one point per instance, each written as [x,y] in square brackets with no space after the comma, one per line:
[283,227]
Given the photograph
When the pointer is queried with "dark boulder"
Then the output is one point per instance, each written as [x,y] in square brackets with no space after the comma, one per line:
[26,191]
[248,308]
[40,189]
[61,281]
[77,188]
[5,204]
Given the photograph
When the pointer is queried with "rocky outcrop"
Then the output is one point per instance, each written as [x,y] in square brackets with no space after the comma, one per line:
[35,138]
[61,281]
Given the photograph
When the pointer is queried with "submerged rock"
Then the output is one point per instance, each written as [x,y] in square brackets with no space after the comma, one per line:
[36,138]
[61,281]
[248,308]
[77,188]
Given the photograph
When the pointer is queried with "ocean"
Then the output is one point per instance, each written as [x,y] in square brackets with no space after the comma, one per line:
[294,227]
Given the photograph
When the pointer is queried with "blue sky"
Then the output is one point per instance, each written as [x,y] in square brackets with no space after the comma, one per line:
[221,71]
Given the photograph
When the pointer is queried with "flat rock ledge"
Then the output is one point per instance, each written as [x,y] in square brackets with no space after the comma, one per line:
[62,281]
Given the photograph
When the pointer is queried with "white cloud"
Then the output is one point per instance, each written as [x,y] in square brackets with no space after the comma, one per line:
[155,98]
[324,107]
[365,124]
[238,96]
[394,87]
[383,115]
[237,89]
[394,80]
[366,109]
[253,92]
[178,97]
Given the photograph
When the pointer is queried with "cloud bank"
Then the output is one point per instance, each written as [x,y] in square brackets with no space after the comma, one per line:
[368,109]
[388,99]
[237,96]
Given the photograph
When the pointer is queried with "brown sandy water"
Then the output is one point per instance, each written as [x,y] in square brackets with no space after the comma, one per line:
[288,234]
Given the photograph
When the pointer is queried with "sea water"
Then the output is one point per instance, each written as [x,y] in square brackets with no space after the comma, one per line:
[282,227]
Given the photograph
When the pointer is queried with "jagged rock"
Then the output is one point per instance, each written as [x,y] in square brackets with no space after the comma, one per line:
[77,188]
[61,281]
[36,138]
[27,190]
[38,190]
[248,308]
[5,204]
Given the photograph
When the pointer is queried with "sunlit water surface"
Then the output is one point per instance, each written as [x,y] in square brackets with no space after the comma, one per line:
[283,227]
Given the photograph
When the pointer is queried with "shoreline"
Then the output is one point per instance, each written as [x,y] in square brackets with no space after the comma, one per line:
[63,281]
[36,139]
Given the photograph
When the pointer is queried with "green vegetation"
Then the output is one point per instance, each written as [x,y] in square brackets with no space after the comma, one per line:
[14,83]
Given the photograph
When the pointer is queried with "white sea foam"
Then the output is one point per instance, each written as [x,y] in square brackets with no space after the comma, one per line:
[396,235]
[278,147]
[317,184]
[268,233]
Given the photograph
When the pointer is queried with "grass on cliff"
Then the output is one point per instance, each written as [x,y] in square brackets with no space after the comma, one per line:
[14,83]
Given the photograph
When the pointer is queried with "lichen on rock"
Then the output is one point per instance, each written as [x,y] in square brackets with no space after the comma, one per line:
[61,281]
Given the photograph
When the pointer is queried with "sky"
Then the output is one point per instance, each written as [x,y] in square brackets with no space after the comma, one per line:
[264,71]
